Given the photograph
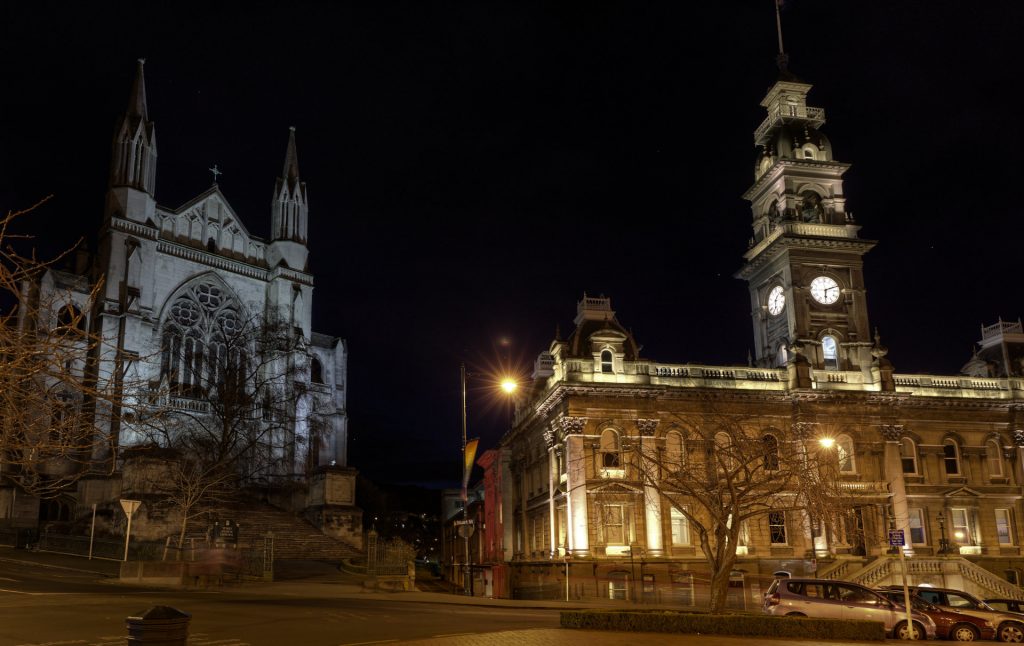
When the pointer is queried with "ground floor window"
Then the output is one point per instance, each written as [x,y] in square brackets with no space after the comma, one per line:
[618,585]
[777,527]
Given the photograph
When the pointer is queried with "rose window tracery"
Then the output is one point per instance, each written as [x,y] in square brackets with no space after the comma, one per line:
[201,341]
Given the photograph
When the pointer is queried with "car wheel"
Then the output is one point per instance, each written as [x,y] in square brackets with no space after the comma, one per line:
[795,614]
[901,632]
[964,633]
[1011,633]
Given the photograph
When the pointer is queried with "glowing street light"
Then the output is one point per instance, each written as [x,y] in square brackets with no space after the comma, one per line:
[826,442]
[509,385]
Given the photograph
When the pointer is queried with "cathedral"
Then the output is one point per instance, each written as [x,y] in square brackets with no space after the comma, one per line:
[176,294]
[571,512]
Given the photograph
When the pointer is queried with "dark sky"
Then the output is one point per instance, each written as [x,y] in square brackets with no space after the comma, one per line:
[475,167]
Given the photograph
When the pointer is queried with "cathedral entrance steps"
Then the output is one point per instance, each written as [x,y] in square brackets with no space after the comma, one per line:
[294,537]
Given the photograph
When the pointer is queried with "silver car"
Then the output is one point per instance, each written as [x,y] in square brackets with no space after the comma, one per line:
[829,599]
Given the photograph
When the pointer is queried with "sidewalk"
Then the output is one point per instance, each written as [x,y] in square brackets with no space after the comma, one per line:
[100,567]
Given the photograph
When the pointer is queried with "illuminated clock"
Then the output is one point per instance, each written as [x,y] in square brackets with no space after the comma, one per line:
[776,300]
[824,290]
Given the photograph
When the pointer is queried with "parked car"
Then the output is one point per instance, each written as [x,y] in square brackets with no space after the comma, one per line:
[1006,605]
[842,600]
[949,624]
[1009,626]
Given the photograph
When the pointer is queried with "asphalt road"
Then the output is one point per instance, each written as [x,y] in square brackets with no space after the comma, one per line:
[48,606]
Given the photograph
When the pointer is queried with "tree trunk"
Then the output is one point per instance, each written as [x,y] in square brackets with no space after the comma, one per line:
[720,587]
[181,536]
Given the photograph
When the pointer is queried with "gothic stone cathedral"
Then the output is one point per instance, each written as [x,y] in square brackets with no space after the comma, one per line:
[174,282]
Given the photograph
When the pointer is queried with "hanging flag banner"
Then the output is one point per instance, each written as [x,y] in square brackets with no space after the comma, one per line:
[469,456]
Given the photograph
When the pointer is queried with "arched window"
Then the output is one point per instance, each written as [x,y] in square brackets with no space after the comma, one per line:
[829,352]
[844,452]
[808,153]
[951,457]
[316,371]
[782,356]
[200,341]
[673,451]
[771,452]
[611,453]
[607,364]
[723,451]
[908,455]
[994,458]
[70,318]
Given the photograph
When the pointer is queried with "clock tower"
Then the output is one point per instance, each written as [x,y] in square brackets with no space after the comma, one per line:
[804,266]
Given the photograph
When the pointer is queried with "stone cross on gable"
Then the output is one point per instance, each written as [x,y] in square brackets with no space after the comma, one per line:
[216,172]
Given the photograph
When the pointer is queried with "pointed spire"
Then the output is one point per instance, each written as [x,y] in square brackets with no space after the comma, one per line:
[291,160]
[133,162]
[289,214]
[137,101]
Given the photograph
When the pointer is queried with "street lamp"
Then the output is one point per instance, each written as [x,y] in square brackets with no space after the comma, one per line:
[943,543]
[466,529]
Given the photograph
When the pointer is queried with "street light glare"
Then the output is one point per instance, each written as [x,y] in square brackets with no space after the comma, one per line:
[509,385]
[826,442]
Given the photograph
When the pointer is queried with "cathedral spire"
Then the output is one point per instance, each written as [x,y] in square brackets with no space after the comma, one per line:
[289,209]
[133,161]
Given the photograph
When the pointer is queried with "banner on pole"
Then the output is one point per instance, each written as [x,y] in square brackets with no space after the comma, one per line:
[469,457]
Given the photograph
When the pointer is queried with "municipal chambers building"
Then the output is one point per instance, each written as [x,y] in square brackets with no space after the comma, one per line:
[934,456]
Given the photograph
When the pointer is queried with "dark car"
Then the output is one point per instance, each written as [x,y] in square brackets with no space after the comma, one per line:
[1009,625]
[1006,605]
[949,624]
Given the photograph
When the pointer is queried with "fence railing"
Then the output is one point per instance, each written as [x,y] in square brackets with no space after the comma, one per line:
[387,558]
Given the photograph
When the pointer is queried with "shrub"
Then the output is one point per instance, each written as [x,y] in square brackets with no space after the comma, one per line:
[746,625]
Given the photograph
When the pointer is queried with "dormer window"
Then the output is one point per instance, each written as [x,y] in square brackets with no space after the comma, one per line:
[808,153]
[607,362]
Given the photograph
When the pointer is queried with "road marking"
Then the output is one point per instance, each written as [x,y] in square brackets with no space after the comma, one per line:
[454,634]
[3,578]
[381,641]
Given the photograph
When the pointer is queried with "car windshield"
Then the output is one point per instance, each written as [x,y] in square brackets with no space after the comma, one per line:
[917,602]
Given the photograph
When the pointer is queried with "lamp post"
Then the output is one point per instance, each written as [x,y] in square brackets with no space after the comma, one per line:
[943,543]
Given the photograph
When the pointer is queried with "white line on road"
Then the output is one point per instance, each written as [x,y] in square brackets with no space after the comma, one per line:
[382,641]
[454,634]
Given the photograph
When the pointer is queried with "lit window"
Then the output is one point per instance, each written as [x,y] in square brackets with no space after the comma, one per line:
[994,457]
[830,353]
[680,528]
[951,457]
[607,365]
[777,527]
[1003,527]
[917,536]
[908,455]
[962,531]
[844,452]
[617,582]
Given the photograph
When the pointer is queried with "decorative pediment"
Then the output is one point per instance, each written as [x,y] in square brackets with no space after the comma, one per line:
[614,488]
[962,492]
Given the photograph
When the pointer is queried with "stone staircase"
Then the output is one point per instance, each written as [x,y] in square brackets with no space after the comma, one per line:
[294,537]
[952,572]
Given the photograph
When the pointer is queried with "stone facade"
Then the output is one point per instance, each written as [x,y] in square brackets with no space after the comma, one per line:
[937,457]
[176,280]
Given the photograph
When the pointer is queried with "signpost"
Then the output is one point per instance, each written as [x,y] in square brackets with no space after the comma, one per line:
[896,540]
[129,507]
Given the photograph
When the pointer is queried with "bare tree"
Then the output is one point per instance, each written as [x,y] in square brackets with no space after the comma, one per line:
[53,402]
[232,410]
[726,469]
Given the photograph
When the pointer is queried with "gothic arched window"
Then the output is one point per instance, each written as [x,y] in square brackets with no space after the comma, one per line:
[316,371]
[199,344]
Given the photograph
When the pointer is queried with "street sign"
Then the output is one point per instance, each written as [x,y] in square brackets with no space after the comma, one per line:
[896,538]
[130,506]
[465,531]
[463,522]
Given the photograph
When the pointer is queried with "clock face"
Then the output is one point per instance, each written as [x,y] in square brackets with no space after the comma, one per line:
[776,300]
[824,290]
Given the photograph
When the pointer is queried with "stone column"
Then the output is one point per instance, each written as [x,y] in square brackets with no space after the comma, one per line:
[652,497]
[576,485]
[894,476]
[549,437]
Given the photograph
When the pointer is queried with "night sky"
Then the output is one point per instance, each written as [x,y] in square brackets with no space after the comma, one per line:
[474,168]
